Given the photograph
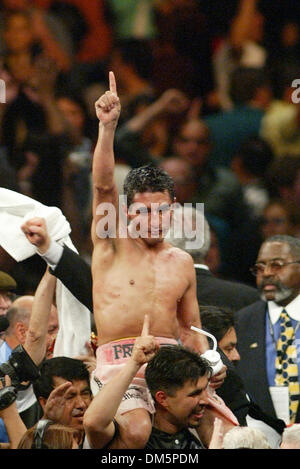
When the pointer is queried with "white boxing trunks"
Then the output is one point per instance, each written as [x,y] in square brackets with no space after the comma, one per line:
[111,358]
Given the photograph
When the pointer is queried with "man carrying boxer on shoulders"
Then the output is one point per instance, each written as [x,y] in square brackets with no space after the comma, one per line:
[135,272]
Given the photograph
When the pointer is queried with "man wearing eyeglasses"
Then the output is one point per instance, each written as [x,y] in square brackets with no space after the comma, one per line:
[268,331]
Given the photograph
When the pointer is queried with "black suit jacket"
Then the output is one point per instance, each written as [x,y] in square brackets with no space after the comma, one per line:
[251,331]
[233,392]
[76,275]
[214,291]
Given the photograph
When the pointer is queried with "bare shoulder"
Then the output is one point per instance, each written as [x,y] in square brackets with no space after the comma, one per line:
[181,256]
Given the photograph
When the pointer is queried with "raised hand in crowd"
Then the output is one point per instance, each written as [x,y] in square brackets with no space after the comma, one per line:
[36,232]
[172,101]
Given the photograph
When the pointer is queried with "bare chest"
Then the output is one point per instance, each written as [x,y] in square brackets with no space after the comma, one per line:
[152,277]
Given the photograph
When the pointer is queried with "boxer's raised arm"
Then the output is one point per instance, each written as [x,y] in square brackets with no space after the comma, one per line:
[107,110]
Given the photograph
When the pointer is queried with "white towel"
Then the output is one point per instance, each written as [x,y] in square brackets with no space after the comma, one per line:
[74,317]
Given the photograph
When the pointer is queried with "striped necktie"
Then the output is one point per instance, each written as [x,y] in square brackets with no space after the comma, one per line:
[286,363]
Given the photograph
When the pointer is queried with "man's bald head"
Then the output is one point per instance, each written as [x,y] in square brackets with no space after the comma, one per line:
[18,319]
[18,316]
[24,302]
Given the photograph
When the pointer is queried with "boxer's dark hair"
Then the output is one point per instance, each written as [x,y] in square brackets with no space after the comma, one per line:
[148,179]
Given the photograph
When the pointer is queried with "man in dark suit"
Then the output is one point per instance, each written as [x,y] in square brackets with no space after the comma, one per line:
[213,291]
[258,326]
[220,322]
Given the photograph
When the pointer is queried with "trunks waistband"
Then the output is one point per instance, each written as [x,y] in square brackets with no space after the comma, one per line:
[120,350]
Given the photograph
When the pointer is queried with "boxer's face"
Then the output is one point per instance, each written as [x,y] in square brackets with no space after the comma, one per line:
[150,216]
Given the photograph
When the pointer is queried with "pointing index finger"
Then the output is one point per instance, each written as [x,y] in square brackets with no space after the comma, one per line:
[112,83]
[145,330]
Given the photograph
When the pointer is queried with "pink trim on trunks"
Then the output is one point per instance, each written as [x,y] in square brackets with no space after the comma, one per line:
[111,358]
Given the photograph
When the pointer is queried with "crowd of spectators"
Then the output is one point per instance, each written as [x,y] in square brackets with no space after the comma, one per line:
[229,77]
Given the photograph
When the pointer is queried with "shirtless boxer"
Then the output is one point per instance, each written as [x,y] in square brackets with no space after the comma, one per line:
[133,277]
[137,276]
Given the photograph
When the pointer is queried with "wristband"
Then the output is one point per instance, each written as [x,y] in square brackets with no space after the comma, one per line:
[53,254]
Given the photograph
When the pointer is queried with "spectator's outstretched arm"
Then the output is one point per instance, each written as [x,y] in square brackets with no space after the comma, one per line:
[50,45]
[36,339]
[45,76]
[128,142]
[171,101]
[35,343]
[13,423]
[240,28]
[98,419]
